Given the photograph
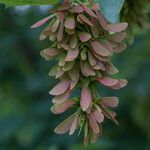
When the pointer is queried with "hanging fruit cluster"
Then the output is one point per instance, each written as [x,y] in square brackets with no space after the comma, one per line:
[82,42]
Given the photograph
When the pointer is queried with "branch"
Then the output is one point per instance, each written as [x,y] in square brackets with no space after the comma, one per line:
[12,3]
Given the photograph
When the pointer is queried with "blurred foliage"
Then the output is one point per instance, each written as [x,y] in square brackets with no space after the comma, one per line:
[25,119]
[137,14]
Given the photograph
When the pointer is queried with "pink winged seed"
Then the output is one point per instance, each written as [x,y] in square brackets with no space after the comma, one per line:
[96,67]
[41,22]
[70,22]
[111,115]
[55,26]
[70,31]
[101,65]
[72,54]
[61,98]
[64,6]
[118,37]
[73,41]
[99,117]
[60,108]
[65,126]
[102,21]
[65,46]
[84,36]
[109,45]
[61,62]
[88,70]
[119,27]
[119,48]
[92,59]
[60,72]
[77,9]
[53,110]
[60,32]
[50,52]
[74,73]
[108,81]
[60,88]
[74,125]
[99,49]
[110,101]
[85,19]
[121,83]
[82,69]
[73,84]
[96,7]
[93,124]
[89,11]
[61,16]
[95,32]
[80,20]
[86,98]
[42,37]
[111,69]
[68,65]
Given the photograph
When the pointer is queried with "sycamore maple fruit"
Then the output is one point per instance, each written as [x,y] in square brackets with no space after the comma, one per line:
[82,42]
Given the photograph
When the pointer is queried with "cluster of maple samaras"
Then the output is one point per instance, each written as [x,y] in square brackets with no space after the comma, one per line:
[83,42]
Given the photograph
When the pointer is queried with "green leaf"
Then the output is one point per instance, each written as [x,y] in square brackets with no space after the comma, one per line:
[111,9]
[11,3]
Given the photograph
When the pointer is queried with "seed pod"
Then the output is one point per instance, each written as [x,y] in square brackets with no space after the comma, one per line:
[86,98]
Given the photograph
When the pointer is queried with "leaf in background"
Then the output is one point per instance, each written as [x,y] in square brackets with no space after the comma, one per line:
[11,3]
[111,9]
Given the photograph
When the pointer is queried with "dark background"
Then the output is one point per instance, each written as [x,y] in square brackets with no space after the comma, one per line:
[26,122]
